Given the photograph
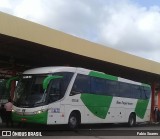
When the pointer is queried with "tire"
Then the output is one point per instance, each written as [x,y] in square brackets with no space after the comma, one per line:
[73,121]
[132,120]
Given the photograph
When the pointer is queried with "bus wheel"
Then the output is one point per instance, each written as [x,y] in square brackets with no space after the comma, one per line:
[132,120]
[73,120]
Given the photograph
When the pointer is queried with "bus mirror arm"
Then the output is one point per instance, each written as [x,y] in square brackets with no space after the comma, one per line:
[75,93]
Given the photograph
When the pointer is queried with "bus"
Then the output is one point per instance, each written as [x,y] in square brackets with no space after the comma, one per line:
[74,96]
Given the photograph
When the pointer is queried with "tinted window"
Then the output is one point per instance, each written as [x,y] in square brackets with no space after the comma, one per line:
[143,96]
[112,88]
[147,92]
[125,90]
[65,80]
[58,87]
[133,91]
[55,90]
[81,84]
[86,84]
[137,92]
[98,85]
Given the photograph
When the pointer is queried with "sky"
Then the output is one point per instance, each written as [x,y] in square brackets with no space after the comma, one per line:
[131,26]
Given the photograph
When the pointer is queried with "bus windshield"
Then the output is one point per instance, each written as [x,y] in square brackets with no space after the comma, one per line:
[30,92]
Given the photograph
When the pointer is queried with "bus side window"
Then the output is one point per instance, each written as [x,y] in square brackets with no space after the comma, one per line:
[143,96]
[98,86]
[55,90]
[137,92]
[81,85]
[112,88]
[147,92]
[124,90]
[65,80]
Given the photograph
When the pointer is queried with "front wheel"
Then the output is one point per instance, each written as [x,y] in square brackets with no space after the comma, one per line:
[73,121]
[132,120]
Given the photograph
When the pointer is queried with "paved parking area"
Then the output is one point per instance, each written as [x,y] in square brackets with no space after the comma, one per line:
[98,131]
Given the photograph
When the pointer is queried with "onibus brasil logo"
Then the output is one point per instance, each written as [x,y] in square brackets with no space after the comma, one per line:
[20,133]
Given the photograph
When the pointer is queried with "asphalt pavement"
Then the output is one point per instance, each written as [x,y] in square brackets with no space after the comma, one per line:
[97,131]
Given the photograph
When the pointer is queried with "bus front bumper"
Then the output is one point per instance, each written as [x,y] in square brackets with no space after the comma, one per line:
[40,118]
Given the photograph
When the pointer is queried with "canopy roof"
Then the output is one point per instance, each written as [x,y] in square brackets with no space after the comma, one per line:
[24,44]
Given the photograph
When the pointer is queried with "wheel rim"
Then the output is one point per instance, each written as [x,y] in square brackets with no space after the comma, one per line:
[131,121]
[73,121]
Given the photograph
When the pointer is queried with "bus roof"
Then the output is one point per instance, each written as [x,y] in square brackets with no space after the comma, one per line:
[46,70]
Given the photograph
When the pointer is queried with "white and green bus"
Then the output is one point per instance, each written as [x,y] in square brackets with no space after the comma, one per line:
[73,96]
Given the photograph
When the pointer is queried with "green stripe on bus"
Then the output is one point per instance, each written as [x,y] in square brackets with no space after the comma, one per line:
[97,104]
[141,108]
[102,75]
[40,118]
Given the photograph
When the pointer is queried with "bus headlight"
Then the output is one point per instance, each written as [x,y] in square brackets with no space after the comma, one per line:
[13,110]
[40,111]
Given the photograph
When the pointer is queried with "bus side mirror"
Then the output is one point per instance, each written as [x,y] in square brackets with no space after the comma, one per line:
[9,81]
[47,80]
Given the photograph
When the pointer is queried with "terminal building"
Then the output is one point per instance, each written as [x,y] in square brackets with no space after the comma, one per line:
[25,45]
